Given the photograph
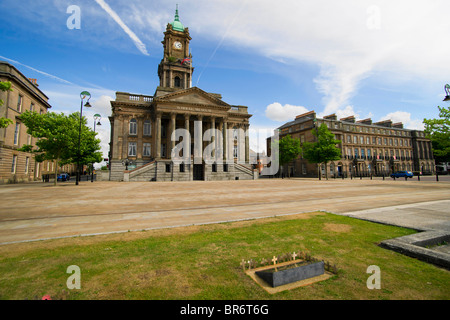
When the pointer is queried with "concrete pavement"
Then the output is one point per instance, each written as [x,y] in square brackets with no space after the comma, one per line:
[42,211]
[433,218]
[423,216]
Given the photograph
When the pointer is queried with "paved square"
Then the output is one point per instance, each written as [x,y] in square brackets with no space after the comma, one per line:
[41,211]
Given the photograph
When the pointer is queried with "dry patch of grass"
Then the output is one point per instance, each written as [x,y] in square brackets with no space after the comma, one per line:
[337,227]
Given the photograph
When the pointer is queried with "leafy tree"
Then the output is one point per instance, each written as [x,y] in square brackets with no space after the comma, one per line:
[323,150]
[58,138]
[5,86]
[289,149]
[437,130]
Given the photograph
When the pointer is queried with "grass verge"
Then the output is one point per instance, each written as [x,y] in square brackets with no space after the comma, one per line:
[203,262]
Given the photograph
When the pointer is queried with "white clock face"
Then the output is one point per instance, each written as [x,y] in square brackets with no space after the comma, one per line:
[177,45]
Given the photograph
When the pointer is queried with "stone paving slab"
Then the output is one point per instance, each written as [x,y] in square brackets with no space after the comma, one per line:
[433,218]
[428,215]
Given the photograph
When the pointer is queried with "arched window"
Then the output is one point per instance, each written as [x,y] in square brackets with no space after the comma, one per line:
[133,126]
[177,82]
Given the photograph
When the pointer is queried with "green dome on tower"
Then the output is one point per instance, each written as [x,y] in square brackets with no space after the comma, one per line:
[176,24]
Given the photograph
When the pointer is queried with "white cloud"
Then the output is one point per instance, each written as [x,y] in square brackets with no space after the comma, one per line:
[405,118]
[277,112]
[137,42]
[350,41]
[257,137]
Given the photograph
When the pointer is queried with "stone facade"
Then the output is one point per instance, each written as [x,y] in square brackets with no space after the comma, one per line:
[367,148]
[142,126]
[17,166]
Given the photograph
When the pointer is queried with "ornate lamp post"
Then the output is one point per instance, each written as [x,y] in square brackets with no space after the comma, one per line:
[447,93]
[127,163]
[83,95]
[97,118]
[446,99]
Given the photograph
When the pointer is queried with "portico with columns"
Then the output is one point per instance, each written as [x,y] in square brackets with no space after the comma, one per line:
[143,134]
[141,144]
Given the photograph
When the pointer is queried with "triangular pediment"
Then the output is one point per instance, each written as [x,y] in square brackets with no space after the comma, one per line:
[194,96]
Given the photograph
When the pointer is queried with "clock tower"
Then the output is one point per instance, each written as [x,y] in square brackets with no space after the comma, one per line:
[175,69]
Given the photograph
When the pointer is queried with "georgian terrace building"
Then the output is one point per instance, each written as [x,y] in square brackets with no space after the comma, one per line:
[142,125]
[25,95]
[367,148]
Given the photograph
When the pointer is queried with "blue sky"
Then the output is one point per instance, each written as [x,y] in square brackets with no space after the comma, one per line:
[378,59]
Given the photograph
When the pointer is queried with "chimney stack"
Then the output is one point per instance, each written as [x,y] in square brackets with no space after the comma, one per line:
[33,81]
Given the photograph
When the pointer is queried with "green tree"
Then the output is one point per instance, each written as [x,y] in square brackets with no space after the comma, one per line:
[323,150]
[289,149]
[5,86]
[58,138]
[437,130]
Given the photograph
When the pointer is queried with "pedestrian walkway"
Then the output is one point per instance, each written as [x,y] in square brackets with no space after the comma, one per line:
[36,212]
[432,218]
[423,216]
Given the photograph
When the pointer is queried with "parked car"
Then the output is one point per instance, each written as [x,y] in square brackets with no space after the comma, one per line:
[401,174]
[63,177]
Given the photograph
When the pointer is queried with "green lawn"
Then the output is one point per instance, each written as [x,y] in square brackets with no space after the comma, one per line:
[203,262]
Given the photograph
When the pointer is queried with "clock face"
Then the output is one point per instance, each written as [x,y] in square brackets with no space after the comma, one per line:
[177,45]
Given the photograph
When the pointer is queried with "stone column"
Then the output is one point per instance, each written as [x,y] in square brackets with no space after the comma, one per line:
[158,135]
[125,133]
[247,144]
[219,144]
[140,131]
[213,137]
[224,144]
[430,150]
[187,143]
[117,147]
[198,140]
[173,117]
[241,142]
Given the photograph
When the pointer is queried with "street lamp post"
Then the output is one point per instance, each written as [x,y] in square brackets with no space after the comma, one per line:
[447,93]
[127,163]
[83,95]
[97,118]
[446,99]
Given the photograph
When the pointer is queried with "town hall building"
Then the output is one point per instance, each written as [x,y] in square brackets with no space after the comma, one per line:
[142,147]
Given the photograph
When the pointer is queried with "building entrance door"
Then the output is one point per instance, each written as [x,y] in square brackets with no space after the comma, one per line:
[198,173]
